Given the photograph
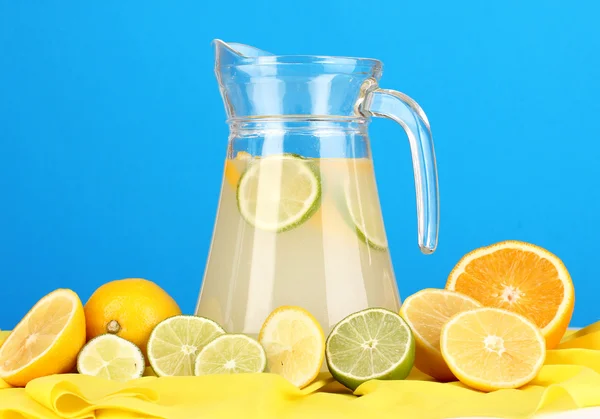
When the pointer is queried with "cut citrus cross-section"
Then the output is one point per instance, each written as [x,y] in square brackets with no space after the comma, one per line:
[231,354]
[490,348]
[371,344]
[46,341]
[426,312]
[111,357]
[175,343]
[363,207]
[522,278]
[278,193]
[294,343]
[4,334]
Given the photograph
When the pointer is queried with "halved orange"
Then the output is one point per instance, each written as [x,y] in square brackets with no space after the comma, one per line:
[426,312]
[520,277]
[46,341]
[491,348]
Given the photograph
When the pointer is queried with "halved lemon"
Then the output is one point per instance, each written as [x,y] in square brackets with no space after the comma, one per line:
[520,277]
[3,336]
[426,312]
[294,343]
[491,348]
[46,341]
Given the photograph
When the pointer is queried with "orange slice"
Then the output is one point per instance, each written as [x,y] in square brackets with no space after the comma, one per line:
[426,312]
[522,278]
[232,173]
[491,348]
[46,341]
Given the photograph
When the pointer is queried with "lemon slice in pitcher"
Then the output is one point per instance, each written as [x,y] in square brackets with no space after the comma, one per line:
[278,193]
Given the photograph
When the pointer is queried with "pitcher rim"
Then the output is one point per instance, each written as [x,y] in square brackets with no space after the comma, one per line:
[357,63]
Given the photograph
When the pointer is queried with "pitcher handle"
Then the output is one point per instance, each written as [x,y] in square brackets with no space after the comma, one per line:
[405,111]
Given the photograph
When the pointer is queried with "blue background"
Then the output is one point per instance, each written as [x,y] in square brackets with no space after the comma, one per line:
[112,132]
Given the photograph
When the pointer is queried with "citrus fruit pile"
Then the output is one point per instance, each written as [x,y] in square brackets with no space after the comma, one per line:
[503,306]
[132,324]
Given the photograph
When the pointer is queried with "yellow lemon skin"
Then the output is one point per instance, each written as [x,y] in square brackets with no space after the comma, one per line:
[129,308]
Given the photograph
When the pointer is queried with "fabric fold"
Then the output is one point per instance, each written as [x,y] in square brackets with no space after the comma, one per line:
[570,379]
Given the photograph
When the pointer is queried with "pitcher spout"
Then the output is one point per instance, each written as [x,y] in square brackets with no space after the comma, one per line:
[257,83]
[234,53]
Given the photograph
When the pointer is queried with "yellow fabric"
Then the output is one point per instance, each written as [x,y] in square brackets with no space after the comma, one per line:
[570,379]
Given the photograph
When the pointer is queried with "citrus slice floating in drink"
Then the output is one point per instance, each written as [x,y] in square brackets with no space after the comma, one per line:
[111,357]
[519,277]
[294,343]
[175,343]
[46,341]
[490,348]
[232,174]
[278,193]
[426,312]
[231,354]
[362,202]
[375,343]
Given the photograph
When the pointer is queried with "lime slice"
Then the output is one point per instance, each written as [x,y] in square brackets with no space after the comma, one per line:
[362,202]
[175,343]
[231,354]
[111,357]
[372,344]
[278,193]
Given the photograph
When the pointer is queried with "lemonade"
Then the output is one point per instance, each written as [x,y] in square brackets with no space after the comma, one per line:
[294,231]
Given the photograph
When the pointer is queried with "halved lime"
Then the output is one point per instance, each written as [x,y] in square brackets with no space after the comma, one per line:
[362,202]
[175,343]
[372,344]
[231,354]
[111,357]
[277,193]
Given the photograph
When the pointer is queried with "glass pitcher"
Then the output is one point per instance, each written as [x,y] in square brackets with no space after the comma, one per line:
[299,220]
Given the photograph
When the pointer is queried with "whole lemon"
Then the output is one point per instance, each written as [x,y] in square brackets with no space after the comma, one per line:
[129,308]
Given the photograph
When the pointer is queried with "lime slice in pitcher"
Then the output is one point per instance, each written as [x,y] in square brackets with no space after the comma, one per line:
[277,193]
[362,203]
[372,344]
